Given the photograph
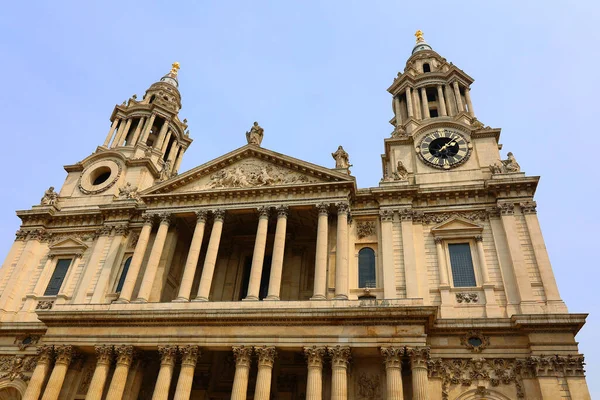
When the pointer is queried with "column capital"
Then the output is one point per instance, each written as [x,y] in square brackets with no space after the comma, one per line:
[64,354]
[340,356]
[418,357]
[168,354]
[506,208]
[264,211]
[283,211]
[124,354]
[386,215]
[148,218]
[438,240]
[165,218]
[343,208]
[314,356]
[392,356]
[104,354]
[323,208]
[218,215]
[189,355]
[242,355]
[266,355]
[201,215]
[528,207]
[45,354]
[479,238]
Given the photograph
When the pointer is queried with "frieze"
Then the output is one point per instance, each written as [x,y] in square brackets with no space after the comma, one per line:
[25,341]
[556,365]
[436,218]
[365,229]
[14,367]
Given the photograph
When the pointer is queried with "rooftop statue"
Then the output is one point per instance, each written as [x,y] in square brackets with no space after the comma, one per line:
[341,158]
[255,135]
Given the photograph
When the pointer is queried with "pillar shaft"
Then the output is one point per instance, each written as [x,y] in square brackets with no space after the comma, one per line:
[469,104]
[103,359]
[441,258]
[189,270]
[441,101]
[34,388]
[124,356]
[178,159]
[482,263]
[340,356]
[259,254]
[136,261]
[393,372]
[110,132]
[425,103]
[417,104]
[397,111]
[341,253]
[450,105]
[418,365]
[163,381]
[266,358]
[121,140]
[409,103]
[147,129]
[189,357]
[119,134]
[387,250]
[64,355]
[165,144]
[154,260]
[278,252]
[320,284]
[314,381]
[242,370]
[211,256]
[459,103]
[138,130]
[161,135]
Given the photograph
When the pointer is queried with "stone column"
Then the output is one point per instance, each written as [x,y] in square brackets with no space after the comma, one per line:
[441,259]
[165,144]
[147,129]
[64,355]
[189,270]
[154,259]
[161,135]
[410,259]
[211,256]
[340,357]
[459,103]
[469,104]
[118,135]
[341,253]
[425,103]
[121,139]
[278,252]
[124,355]
[104,355]
[417,104]
[314,381]
[418,365]
[189,357]
[320,284]
[243,358]
[441,102]
[266,358]
[259,254]
[136,261]
[397,111]
[481,257]
[389,270]
[409,106]
[44,359]
[138,130]
[168,355]
[393,372]
[173,153]
[110,132]
[178,159]
[449,104]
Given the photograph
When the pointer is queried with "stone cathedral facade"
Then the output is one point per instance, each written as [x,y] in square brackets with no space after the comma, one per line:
[260,276]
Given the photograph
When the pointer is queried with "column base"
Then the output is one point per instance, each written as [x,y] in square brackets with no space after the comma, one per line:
[121,301]
[272,298]
[139,301]
[180,300]
[318,297]
[200,299]
[341,297]
[250,298]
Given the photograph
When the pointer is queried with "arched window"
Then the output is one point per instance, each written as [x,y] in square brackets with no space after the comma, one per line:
[123,275]
[366,268]
[426,67]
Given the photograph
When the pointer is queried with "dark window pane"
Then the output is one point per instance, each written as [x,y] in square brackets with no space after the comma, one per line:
[366,268]
[123,275]
[462,265]
[58,276]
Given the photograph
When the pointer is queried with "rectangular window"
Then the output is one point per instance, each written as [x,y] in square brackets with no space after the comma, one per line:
[58,276]
[461,264]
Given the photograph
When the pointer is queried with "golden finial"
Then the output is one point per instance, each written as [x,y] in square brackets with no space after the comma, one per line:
[174,69]
[419,35]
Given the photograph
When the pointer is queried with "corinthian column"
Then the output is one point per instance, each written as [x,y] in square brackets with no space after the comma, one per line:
[278,250]
[189,357]
[243,358]
[259,254]
[459,103]
[64,355]
[340,356]
[211,256]
[136,261]
[167,363]
[44,359]
[314,381]
[409,106]
[393,372]
[441,102]
[425,103]
[104,355]
[341,253]
[320,284]
[189,270]
[153,261]
[110,132]
[124,355]
[418,364]
[266,358]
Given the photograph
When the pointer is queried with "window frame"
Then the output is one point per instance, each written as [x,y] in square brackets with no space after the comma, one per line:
[124,259]
[374,268]
[474,261]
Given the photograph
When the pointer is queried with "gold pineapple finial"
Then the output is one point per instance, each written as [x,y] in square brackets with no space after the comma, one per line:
[419,35]
[174,69]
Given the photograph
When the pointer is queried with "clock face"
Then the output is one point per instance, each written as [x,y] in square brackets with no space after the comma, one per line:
[444,148]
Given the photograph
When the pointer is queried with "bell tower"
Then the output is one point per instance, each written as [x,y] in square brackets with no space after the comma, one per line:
[144,145]
[437,140]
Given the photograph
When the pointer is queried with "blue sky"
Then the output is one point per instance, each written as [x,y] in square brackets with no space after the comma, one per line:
[314,74]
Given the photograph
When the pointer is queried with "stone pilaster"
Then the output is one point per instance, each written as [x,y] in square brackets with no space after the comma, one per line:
[64,355]
[189,358]
[243,359]
[409,103]
[389,271]
[124,356]
[340,357]
[44,361]
[314,382]
[168,355]
[104,356]
[266,358]
[278,252]
[211,256]
[392,358]
[418,364]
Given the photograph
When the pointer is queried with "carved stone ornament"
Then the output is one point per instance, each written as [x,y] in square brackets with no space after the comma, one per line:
[467,372]
[201,215]
[340,356]
[254,173]
[104,354]
[13,367]
[369,386]
[165,218]
[343,208]
[133,239]
[242,355]
[314,356]
[323,208]
[25,341]
[283,211]
[44,354]
[168,354]
[419,356]
[44,305]
[266,355]
[467,297]
[128,192]
[50,197]
[528,207]
[85,180]
[365,229]
[508,166]
[408,214]
[64,354]
[165,172]
[342,160]
[21,234]
[255,134]
[437,218]
[386,215]
[218,215]
[189,355]
[392,356]
[556,365]
[506,208]
[148,218]
[475,341]
[124,354]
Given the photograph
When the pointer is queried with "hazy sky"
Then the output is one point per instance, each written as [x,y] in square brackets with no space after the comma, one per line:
[314,74]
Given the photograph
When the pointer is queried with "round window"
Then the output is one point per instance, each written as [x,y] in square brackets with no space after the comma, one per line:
[475,341]
[100,175]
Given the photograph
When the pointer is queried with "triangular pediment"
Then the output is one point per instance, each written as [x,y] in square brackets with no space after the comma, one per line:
[249,167]
[455,226]
[68,246]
